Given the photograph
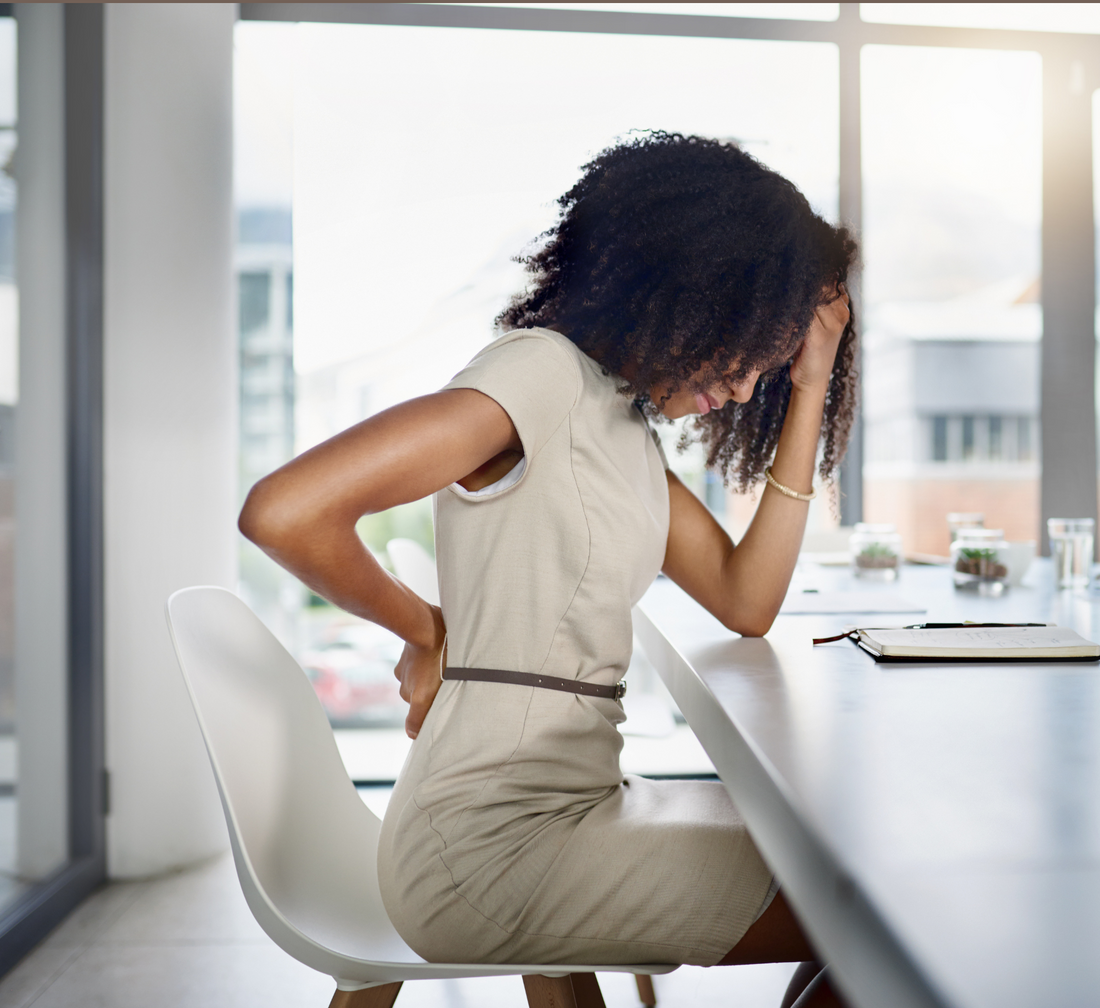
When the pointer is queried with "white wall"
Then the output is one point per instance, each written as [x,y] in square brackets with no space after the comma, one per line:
[170,402]
[41,567]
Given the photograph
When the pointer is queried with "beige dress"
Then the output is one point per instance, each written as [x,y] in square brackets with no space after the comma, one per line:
[512,835]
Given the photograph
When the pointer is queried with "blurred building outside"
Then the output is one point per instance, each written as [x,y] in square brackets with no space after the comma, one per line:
[264,267]
[952,213]
[349,661]
[950,407]
[951,403]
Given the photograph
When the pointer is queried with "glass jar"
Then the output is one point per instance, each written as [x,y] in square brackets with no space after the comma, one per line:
[963,519]
[876,552]
[979,560]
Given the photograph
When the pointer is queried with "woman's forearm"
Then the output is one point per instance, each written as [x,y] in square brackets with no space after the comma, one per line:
[744,585]
[758,571]
[331,559]
[304,514]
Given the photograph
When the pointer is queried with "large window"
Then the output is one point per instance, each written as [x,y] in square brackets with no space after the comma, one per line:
[388,174]
[951,172]
[424,161]
[51,769]
[424,164]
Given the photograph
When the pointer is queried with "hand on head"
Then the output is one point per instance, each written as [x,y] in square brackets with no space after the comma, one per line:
[813,364]
[811,369]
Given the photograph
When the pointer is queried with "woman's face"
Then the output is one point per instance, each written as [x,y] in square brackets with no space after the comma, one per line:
[715,395]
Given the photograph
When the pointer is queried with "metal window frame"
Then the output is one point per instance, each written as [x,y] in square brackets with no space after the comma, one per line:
[28,919]
[1071,72]
[84,114]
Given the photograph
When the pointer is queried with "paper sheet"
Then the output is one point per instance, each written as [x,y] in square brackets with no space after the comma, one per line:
[798,603]
[991,638]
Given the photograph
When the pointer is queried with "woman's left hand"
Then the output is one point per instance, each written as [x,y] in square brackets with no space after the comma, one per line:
[420,672]
[813,365]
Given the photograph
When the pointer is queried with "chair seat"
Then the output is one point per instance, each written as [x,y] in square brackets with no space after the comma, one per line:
[304,844]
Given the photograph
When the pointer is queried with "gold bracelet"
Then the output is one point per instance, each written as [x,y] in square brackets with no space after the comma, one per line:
[786,490]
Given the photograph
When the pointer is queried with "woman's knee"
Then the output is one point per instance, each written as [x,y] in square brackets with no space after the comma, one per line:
[775,936]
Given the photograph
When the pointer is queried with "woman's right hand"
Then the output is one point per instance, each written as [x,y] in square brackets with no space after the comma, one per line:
[420,672]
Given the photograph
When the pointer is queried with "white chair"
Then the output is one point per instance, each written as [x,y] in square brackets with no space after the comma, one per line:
[304,844]
[414,565]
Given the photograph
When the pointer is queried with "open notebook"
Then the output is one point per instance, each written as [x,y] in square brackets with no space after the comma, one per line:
[1025,643]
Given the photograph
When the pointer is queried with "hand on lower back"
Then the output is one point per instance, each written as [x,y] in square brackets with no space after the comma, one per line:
[420,673]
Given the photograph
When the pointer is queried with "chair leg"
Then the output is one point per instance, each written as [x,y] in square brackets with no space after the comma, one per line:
[646,994]
[382,996]
[549,992]
[586,990]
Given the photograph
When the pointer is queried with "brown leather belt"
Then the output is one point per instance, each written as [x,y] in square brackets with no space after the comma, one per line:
[615,692]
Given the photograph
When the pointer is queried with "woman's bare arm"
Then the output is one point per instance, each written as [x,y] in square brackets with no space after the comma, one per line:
[304,514]
[744,585]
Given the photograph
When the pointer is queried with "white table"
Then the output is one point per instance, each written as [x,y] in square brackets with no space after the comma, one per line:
[936,827]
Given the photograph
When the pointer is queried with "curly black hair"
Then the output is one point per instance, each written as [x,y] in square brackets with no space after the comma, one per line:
[676,256]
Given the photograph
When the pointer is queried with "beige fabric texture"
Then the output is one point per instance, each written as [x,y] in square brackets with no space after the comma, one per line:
[512,835]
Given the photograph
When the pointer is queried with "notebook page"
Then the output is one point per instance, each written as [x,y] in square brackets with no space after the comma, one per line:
[798,603]
[992,638]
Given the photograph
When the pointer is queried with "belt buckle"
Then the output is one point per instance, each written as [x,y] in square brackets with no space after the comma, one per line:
[620,690]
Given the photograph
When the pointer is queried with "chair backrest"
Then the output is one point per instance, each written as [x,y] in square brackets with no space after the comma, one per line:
[304,843]
[413,565]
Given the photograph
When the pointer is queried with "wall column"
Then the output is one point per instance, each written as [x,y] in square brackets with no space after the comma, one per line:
[169,409]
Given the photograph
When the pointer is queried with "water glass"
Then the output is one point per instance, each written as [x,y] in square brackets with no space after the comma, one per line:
[1071,547]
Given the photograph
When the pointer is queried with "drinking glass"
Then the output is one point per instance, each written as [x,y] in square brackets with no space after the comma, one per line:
[1071,547]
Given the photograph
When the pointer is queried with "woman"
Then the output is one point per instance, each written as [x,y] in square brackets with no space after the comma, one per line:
[682,277]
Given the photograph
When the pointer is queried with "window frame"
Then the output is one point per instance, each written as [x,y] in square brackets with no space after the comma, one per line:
[31,916]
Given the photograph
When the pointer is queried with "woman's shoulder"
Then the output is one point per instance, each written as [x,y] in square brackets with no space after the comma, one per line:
[533,374]
[541,362]
[533,344]
[537,347]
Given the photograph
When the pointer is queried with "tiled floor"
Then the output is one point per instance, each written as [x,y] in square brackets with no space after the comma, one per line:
[188,941]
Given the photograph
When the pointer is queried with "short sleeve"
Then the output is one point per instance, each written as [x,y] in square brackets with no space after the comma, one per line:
[533,376]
